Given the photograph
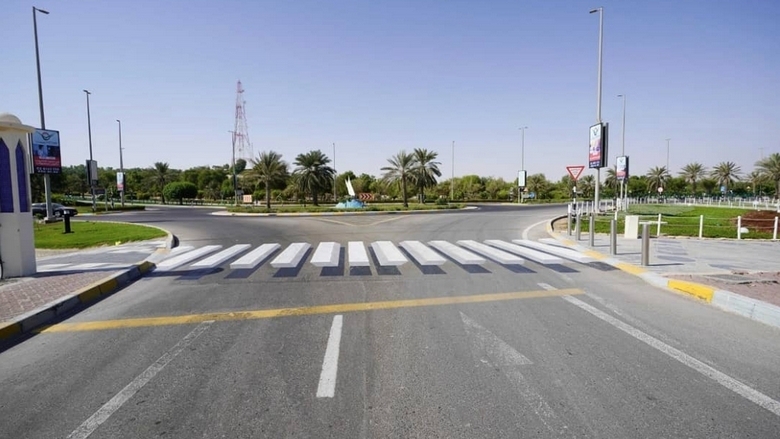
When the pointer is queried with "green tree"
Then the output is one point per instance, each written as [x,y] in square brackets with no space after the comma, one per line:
[726,173]
[425,170]
[656,178]
[400,171]
[586,186]
[693,173]
[313,174]
[267,168]
[179,190]
[538,184]
[708,185]
[161,175]
[611,181]
[769,167]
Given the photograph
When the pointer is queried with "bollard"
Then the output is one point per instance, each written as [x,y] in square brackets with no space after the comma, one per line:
[578,227]
[568,222]
[592,230]
[613,237]
[66,219]
[701,225]
[739,227]
[774,234]
[658,230]
[645,245]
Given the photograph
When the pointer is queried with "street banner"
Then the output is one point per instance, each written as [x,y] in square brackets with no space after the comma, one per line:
[597,152]
[521,177]
[621,171]
[45,146]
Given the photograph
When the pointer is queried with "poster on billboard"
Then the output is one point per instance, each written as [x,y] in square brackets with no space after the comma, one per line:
[597,152]
[120,181]
[92,172]
[521,177]
[621,165]
[45,145]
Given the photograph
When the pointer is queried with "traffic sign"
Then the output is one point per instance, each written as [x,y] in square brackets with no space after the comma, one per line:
[365,196]
[575,171]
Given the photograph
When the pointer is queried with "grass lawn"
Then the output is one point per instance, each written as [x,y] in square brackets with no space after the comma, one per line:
[314,209]
[91,234]
[719,222]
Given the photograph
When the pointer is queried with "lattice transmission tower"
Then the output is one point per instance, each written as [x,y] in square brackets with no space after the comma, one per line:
[243,147]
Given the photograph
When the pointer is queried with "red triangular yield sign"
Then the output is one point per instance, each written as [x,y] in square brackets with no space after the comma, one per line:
[575,171]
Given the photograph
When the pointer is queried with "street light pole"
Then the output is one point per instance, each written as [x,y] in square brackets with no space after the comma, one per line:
[121,165]
[667,155]
[522,161]
[92,178]
[335,173]
[598,100]
[235,181]
[452,177]
[623,153]
[46,177]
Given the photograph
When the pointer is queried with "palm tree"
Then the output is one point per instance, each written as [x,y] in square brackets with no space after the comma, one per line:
[586,184]
[267,168]
[425,170]
[756,179]
[160,174]
[313,173]
[726,173]
[693,173]
[611,180]
[400,171]
[656,177]
[770,168]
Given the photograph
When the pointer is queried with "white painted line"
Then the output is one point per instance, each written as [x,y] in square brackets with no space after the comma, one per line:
[565,253]
[180,249]
[330,365]
[129,250]
[528,229]
[291,256]
[179,260]
[357,254]
[387,254]
[497,255]
[498,352]
[217,259]
[326,255]
[463,256]
[104,412]
[724,380]
[534,255]
[52,267]
[88,266]
[421,253]
[547,287]
[255,257]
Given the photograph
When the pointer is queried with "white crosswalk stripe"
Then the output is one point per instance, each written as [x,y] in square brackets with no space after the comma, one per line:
[217,259]
[179,260]
[463,256]
[495,254]
[387,254]
[291,256]
[255,257]
[534,255]
[422,254]
[326,255]
[357,254]
[558,251]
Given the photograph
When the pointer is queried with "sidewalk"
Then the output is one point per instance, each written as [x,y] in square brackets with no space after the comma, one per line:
[739,276]
[67,279]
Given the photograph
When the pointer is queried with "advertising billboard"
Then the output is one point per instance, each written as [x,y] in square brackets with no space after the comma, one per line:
[521,177]
[120,181]
[45,145]
[597,151]
[621,165]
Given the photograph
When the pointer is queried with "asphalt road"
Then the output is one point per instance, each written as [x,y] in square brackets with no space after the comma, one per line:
[449,351]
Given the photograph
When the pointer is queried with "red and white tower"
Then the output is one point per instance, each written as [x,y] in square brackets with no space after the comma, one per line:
[243,147]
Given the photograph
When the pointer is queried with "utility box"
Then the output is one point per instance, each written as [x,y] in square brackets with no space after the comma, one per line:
[17,243]
[632,227]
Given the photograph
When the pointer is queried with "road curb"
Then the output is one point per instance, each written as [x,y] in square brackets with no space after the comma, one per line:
[30,321]
[729,301]
[310,214]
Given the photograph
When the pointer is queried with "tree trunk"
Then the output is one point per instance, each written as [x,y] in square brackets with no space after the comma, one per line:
[314,197]
[403,191]
[267,194]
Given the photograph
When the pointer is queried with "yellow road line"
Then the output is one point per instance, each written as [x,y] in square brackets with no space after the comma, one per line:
[701,291]
[396,218]
[629,268]
[301,311]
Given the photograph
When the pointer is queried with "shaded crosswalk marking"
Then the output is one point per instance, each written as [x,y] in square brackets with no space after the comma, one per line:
[388,254]
[534,255]
[462,256]
[217,259]
[326,255]
[495,254]
[357,254]
[291,256]
[255,257]
[558,251]
[422,254]
[179,260]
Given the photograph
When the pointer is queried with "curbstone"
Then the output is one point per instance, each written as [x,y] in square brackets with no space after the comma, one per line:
[309,214]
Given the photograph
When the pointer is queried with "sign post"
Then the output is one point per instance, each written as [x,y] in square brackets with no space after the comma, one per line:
[521,182]
[574,173]
[621,173]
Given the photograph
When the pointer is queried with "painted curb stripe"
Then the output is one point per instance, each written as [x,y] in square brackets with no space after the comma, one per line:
[697,290]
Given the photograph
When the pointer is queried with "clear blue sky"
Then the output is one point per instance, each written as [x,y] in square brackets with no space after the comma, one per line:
[378,77]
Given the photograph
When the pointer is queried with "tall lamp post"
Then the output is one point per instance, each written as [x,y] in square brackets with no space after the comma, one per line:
[46,177]
[522,161]
[623,153]
[121,165]
[92,178]
[452,176]
[235,180]
[335,173]
[598,100]
[667,155]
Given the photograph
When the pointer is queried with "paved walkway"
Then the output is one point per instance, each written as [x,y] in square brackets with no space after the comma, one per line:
[61,274]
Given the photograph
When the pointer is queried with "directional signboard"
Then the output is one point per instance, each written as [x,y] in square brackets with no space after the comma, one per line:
[575,171]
